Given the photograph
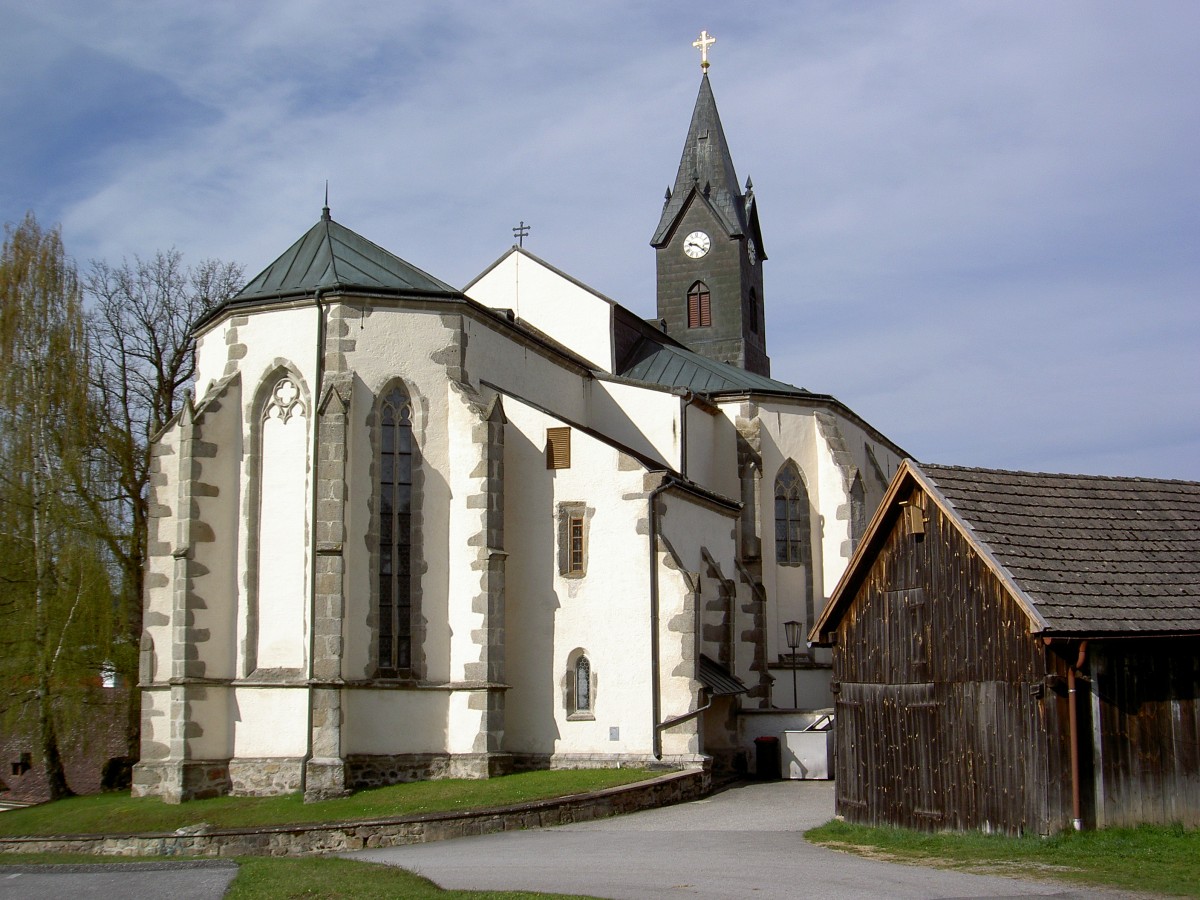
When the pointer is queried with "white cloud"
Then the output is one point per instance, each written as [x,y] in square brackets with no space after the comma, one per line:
[981,218]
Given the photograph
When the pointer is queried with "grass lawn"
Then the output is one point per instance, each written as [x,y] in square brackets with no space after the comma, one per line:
[1158,859]
[120,813]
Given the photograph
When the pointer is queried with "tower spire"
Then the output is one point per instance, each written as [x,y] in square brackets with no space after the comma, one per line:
[705,160]
[709,246]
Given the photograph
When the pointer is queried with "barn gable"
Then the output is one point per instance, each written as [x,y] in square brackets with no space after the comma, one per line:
[989,622]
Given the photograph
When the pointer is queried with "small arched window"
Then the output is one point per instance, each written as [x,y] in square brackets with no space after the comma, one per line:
[699,306]
[579,696]
[793,531]
[395,533]
[583,685]
[752,310]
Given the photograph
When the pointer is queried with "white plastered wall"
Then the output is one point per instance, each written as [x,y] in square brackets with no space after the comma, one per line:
[787,433]
[272,341]
[269,721]
[690,527]
[397,346]
[219,505]
[160,565]
[643,419]
[570,314]
[605,612]
[492,355]
[791,431]
[711,450]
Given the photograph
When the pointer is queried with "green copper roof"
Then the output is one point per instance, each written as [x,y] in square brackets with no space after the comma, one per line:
[330,256]
[679,368]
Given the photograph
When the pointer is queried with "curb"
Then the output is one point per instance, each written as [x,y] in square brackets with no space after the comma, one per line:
[360,834]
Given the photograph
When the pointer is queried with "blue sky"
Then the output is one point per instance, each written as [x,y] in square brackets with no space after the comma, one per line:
[982,219]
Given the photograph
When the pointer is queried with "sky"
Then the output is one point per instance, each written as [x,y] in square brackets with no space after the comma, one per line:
[982,220]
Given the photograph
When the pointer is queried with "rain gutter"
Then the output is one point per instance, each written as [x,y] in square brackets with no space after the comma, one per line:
[1073,712]
[655,679]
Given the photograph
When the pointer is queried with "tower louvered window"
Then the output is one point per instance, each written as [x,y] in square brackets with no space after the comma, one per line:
[699,306]
[395,533]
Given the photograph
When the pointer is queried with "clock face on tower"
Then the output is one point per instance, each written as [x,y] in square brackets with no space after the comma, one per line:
[696,244]
[751,251]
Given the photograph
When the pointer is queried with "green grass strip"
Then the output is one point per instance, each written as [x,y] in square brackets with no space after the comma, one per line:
[1161,859]
[327,878]
[119,813]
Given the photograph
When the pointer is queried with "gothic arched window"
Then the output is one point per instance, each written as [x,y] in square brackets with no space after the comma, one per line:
[583,685]
[699,306]
[858,512]
[793,532]
[395,533]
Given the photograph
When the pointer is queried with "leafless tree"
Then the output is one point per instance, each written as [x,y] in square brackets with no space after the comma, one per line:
[143,358]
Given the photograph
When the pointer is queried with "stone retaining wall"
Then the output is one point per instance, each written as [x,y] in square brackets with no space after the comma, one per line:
[336,837]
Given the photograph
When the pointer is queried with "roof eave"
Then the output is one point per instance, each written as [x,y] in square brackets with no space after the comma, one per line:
[253,300]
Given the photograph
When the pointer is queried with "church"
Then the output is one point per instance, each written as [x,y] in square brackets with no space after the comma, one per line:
[405,530]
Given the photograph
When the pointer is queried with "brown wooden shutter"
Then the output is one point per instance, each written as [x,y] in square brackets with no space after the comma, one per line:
[558,448]
[699,307]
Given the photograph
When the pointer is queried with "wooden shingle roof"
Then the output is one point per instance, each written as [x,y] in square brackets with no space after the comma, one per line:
[1095,555]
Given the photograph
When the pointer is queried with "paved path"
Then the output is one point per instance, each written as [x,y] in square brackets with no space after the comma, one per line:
[742,843]
[204,880]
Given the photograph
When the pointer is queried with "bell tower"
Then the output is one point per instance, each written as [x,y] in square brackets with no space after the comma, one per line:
[709,246]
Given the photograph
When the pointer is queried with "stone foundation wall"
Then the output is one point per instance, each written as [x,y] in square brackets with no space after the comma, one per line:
[295,840]
[267,777]
[532,762]
[376,771]
[176,781]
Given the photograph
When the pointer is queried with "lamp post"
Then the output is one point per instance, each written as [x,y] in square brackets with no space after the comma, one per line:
[791,633]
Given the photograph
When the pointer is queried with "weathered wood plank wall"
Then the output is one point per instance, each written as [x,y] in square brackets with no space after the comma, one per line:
[948,722]
[1148,756]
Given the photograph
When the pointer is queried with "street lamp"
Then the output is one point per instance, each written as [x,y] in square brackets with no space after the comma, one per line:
[791,633]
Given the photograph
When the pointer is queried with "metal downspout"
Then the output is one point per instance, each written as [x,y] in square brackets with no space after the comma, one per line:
[689,397]
[1073,714]
[312,525]
[655,680]
[675,720]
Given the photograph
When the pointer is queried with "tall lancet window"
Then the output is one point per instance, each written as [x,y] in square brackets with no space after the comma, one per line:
[583,685]
[793,531]
[395,533]
[282,520]
[858,512]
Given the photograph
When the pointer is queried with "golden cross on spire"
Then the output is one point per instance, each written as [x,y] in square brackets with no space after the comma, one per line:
[702,45]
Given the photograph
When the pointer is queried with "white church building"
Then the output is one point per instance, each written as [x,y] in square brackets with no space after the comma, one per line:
[406,530]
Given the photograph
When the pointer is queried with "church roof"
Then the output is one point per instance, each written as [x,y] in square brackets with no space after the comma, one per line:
[332,257]
[677,367]
[705,168]
[1084,555]
[1095,554]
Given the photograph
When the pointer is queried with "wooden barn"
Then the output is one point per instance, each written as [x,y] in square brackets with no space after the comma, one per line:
[1020,652]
